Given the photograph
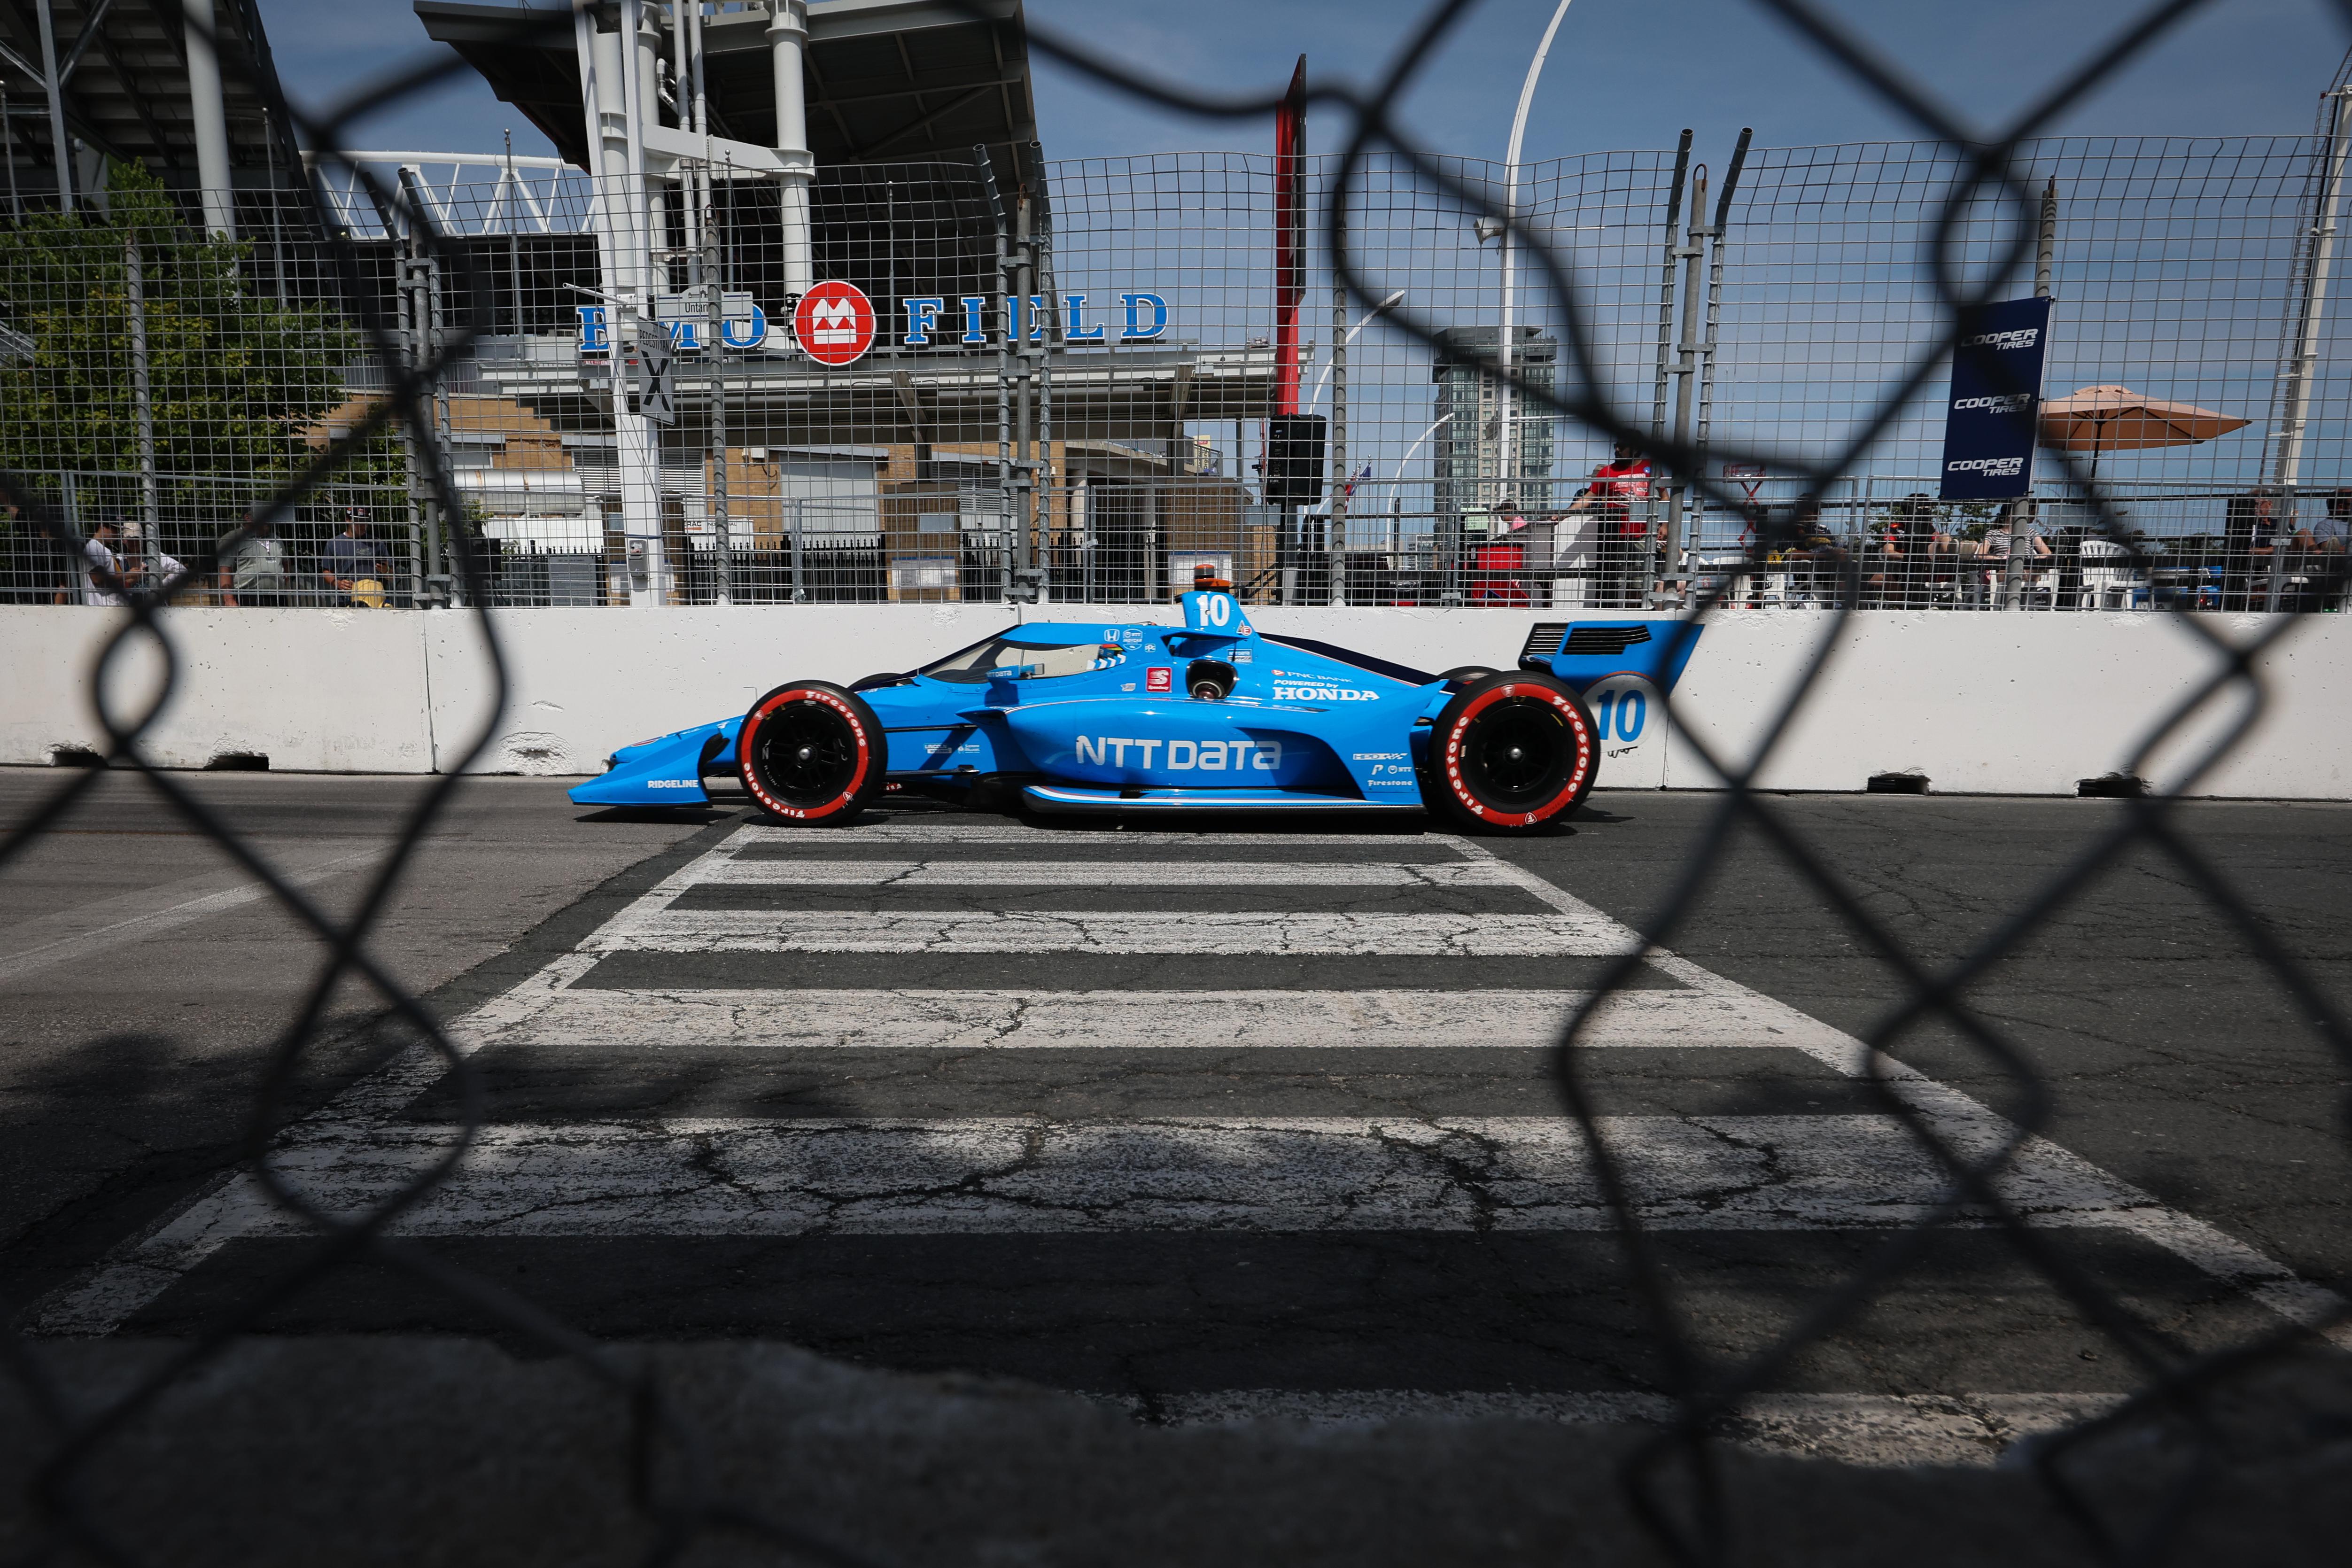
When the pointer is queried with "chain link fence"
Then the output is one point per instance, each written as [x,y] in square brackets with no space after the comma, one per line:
[1130,425]
[405,367]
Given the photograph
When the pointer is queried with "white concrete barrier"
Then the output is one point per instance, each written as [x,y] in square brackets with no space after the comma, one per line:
[319,690]
[2022,703]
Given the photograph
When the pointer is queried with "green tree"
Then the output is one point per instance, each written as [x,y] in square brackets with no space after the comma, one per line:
[235,375]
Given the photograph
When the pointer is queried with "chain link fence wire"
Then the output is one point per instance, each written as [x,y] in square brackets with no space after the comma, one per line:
[416,298]
[166,386]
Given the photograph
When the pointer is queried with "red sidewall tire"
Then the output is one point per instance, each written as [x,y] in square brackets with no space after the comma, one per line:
[867,761]
[1449,784]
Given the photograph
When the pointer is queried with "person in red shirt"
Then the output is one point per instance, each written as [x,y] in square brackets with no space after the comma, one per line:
[1625,533]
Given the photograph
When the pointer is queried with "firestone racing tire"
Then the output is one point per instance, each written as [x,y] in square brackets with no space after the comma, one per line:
[1510,753]
[812,752]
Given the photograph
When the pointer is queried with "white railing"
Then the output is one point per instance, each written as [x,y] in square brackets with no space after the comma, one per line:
[461,193]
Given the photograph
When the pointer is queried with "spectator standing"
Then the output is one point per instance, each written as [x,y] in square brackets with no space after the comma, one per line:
[65,590]
[173,571]
[2068,594]
[2327,563]
[2331,534]
[109,579]
[1817,560]
[2015,535]
[1908,553]
[351,557]
[1623,534]
[2249,540]
[252,569]
[105,579]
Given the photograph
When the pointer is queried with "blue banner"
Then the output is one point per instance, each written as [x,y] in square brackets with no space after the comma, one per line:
[1995,398]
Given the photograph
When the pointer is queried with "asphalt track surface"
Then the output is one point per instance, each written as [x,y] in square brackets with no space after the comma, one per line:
[1211,1124]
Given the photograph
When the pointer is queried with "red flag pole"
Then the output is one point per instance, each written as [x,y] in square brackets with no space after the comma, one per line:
[1289,238]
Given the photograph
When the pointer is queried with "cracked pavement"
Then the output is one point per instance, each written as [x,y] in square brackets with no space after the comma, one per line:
[1260,1123]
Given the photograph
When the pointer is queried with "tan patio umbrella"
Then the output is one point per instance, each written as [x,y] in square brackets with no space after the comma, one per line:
[2097,420]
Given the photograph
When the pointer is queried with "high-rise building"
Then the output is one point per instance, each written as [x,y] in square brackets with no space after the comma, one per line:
[1468,466]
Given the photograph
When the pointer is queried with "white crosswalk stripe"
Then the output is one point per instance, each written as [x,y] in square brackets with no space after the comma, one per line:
[738,1177]
[1032,1175]
[1207,932]
[1031,1019]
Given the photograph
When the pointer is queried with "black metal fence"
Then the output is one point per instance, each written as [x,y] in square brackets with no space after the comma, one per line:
[173,384]
[1673,1483]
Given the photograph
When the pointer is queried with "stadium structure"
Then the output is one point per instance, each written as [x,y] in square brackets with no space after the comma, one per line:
[1002,434]
[798,308]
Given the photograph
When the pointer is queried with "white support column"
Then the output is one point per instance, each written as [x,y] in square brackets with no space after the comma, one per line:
[645,110]
[640,440]
[619,100]
[685,49]
[788,40]
[610,116]
[2305,363]
[212,120]
[633,101]
[600,221]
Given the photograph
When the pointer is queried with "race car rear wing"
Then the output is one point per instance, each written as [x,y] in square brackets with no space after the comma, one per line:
[1582,652]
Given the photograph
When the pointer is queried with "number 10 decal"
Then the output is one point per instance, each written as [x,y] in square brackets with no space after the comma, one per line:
[1630,710]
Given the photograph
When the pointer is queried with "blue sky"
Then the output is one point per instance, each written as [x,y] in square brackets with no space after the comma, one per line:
[1622,74]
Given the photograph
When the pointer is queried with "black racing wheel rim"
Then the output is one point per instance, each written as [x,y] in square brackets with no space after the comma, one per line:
[1519,754]
[805,753]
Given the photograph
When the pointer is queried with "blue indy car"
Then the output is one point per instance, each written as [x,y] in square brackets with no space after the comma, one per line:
[1210,716]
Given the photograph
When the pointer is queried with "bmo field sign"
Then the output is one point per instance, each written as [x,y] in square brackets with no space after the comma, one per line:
[835,323]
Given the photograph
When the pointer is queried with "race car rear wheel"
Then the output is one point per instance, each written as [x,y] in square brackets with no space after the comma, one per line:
[1510,753]
[811,752]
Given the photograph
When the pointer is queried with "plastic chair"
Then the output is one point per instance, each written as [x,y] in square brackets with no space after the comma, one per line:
[2108,583]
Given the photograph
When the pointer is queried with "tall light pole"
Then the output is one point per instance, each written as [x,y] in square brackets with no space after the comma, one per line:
[1507,490]
[1353,334]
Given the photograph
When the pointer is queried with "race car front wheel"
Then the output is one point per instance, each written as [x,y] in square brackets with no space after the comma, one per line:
[811,752]
[1510,753]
